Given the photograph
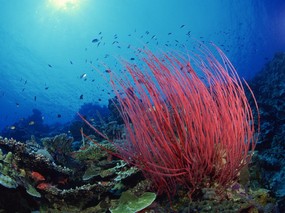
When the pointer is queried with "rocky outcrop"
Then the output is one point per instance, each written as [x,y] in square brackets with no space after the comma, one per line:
[269,89]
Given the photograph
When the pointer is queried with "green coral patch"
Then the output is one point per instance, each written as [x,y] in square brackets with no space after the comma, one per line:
[8,182]
[129,203]
[32,191]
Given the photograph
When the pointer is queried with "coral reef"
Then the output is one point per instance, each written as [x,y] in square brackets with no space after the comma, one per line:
[59,147]
[42,184]
[25,127]
[31,181]
[63,174]
[269,89]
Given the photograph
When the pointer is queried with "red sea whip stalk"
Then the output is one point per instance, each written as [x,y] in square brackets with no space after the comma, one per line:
[188,121]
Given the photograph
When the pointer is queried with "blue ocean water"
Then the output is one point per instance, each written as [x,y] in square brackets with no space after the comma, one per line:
[54,53]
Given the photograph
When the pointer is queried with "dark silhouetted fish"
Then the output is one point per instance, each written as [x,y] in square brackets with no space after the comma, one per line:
[84,75]
[95,40]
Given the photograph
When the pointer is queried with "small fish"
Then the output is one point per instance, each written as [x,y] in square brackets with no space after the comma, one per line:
[46,88]
[12,127]
[44,186]
[84,75]
[17,104]
[182,26]
[71,62]
[81,97]
[132,59]
[99,99]
[95,40]
[35,98]
[31,123]
[169,33]
[107,71]
[49,65]
[36,176]
[59,115]
[62,181]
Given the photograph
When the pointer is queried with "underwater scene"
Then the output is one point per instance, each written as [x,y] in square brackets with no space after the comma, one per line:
[148,106]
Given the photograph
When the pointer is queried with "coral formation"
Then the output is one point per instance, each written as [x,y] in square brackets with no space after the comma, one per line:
[269,163]
[129,203]
[52,187]
[60,174]
[184,127]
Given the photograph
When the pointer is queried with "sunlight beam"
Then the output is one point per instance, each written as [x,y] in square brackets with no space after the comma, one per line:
[64,4]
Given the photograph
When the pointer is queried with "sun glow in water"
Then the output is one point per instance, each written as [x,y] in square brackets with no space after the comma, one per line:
[64,4]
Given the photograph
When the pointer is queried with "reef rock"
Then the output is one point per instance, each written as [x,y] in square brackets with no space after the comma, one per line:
[269,89]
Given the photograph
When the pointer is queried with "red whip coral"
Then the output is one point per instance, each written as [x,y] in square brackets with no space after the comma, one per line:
[188,121]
